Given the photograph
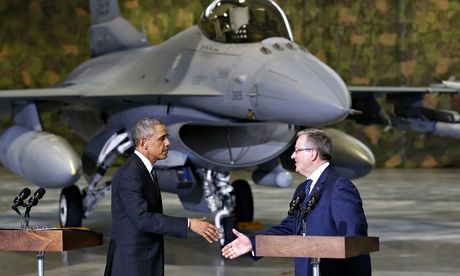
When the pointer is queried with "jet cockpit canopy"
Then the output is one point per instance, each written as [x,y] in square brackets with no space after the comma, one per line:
[244,21]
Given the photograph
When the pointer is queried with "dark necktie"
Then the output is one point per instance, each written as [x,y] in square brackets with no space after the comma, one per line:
[302,226]
[154,176]
[156,190]
[307,192]
[307,187]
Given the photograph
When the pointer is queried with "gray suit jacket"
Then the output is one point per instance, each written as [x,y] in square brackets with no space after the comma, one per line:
[138,223]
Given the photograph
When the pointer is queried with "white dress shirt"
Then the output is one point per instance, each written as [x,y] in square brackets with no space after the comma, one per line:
[316,174]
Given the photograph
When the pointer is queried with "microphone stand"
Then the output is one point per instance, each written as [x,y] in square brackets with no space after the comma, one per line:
[25,227]
[40,254]
[305,211]
[41,263]
[310,205]
[26,218]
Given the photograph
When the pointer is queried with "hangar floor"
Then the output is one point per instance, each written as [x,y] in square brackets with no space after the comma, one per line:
[416,214]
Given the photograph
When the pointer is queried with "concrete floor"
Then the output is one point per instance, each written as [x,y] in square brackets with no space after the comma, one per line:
[416,214]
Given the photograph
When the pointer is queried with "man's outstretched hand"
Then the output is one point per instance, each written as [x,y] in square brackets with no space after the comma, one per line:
[205,229]
[241,245]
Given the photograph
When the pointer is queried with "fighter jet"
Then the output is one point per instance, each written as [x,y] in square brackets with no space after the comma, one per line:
[409,112]
[450,83]
[232,90]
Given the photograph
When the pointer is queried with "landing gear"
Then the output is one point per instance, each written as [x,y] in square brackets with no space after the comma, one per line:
[231,203]
[117,144]
[70,207]
[73,205]
[244,203]
[242,212]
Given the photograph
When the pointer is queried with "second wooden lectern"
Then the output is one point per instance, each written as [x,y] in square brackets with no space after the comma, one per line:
[315,247]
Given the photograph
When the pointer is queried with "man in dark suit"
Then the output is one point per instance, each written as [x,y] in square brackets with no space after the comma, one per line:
[138,222]
[338,212]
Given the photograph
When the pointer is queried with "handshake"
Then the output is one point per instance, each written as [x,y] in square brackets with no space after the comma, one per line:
[241,245]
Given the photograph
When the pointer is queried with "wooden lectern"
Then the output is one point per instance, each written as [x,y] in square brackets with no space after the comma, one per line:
[47,240]
[315,247]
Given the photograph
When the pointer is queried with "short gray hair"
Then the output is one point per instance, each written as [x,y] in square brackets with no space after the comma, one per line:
[320,141]
[144,129]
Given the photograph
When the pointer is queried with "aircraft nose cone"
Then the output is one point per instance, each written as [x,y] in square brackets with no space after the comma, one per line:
[300,90]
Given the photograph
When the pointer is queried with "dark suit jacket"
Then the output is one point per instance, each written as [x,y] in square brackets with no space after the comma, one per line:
[339,212]
[138,223]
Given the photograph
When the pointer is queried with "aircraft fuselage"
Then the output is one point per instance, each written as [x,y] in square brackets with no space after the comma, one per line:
[273,80]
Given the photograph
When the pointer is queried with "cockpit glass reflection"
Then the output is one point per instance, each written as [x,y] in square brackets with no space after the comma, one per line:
[244,21]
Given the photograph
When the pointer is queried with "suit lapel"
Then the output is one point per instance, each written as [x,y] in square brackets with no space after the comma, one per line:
[321,181]
[151,188]
[318,186]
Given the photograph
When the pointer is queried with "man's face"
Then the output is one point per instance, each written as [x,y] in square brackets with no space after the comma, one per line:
[157,146]
[303,156]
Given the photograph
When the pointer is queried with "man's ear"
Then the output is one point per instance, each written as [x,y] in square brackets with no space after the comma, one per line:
[315,154]
[143,144]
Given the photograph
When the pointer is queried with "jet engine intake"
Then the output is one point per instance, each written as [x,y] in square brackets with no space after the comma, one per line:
[231,146]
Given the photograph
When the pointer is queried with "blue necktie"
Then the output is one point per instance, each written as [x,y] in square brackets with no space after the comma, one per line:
[307,192]
[307,187]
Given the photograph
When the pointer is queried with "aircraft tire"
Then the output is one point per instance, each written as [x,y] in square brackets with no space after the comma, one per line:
[244,202]
[70,207]
[228,223]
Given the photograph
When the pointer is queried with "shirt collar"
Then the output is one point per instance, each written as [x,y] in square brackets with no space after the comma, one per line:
[144,160]
[316,174]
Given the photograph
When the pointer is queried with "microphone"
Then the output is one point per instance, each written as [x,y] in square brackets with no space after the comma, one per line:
[19,200]
[36,197]
[295,203]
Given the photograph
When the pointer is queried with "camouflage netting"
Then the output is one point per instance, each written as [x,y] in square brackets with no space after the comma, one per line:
[377,42]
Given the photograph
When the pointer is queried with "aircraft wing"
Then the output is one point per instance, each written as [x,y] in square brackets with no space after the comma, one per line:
[401,89]
[39,94]
[409,111]
[74,92]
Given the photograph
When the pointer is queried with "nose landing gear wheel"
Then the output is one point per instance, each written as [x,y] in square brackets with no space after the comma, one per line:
[70,207]
[243,211]
[228,223]
[244,202]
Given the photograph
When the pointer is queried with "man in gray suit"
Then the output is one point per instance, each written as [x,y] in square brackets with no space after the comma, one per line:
[138,224]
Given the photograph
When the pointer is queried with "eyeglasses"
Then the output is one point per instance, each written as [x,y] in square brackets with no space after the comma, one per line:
[296,150]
